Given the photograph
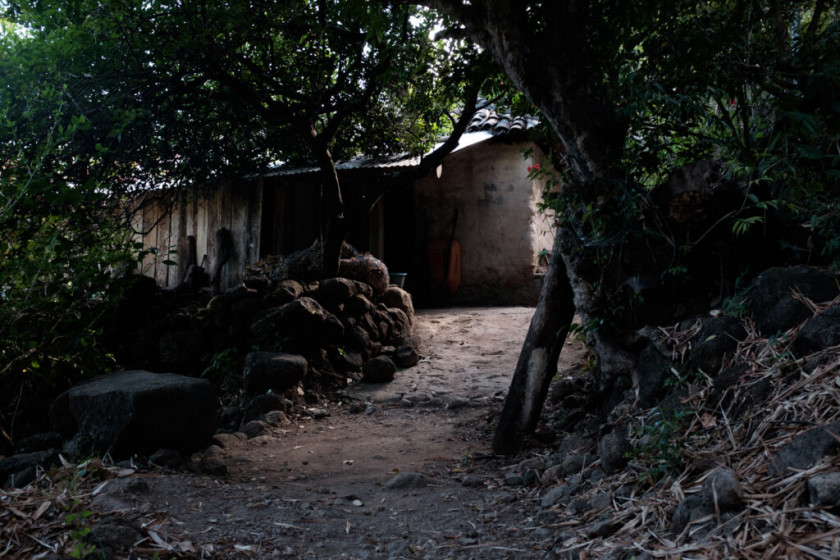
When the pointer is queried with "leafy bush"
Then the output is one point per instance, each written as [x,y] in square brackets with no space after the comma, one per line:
[62,248]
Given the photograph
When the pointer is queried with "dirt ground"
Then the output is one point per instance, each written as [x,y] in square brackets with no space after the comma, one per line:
[397,470]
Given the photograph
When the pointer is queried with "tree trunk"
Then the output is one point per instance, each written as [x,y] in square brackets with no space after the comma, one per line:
[538,359]
[549,66]
[334,228]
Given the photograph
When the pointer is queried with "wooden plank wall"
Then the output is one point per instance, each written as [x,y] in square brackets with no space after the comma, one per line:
[237,207]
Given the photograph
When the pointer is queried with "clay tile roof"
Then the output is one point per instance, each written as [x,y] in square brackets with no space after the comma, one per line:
[487,120]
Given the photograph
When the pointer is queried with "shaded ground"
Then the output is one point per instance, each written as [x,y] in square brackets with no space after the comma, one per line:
[398,470]
[403,470]
[317,487]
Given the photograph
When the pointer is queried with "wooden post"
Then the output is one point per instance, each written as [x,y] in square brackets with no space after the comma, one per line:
[191,259]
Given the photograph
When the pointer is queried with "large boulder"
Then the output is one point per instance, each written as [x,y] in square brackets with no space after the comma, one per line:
[138,412]
[819,333]
[368,269]
[303,319]
[380,369]
[335,291]
[775,309]
[398,298]
[653,368]
[273,371]
[716,342]
[805,450]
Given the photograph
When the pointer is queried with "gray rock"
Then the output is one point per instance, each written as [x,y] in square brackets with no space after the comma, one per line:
[514,479]
[360,339]
[115,537]
[213,467]
[805,450]
[169,458]
[718,338]
[380,369]
[304,320]
[261,404]
[558,495]
[254,428]
[406,357]
[346,360]
[652,369]
[820,332]
[367,269]
[579,505]
[276,418]
[399,326]
[22,461]
[534,463]
[39,442]
[603,528]
[601,501]
[824,489]
[230,441]
[683,513]
[138,412]
[574,464]
[273,371]
[398,298]
[471,481]
[22,478]
[358,305]
[408,480]
[105,504]
[288,291]
[336,290]
[129,485]
[773,307]
[596,475]
[612,450]
[553,474]
[722,487]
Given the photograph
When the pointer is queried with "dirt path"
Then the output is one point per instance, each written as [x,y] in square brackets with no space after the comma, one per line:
[399,470]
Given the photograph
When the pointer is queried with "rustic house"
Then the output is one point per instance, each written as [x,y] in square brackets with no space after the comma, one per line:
[479,208]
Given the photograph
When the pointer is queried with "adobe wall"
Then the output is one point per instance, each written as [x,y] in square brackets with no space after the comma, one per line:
[499,228]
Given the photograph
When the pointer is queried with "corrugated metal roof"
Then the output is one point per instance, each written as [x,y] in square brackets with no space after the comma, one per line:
[485,124]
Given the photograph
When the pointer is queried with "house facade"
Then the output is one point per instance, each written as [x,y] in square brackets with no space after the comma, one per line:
[479,201]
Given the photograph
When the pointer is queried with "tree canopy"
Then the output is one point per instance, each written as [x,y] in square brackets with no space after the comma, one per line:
[100,102]
[160,91]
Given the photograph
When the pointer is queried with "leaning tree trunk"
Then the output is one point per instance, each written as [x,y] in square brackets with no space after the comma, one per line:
[551,66]
[538,359]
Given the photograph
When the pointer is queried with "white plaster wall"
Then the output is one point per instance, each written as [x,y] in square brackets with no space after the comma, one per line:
[499,227]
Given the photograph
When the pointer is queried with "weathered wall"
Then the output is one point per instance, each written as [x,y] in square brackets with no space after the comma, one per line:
[165,227]
[499,229]
[498,226]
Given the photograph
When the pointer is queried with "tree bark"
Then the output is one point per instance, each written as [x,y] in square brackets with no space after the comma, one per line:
[537,363]
[549,67]
[334,227]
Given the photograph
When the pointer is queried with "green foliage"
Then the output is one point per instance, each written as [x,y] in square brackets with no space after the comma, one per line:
[62,247]
[224,369]
[165,93]
[661,441]
[737,304]
[78,523]
[754,85]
